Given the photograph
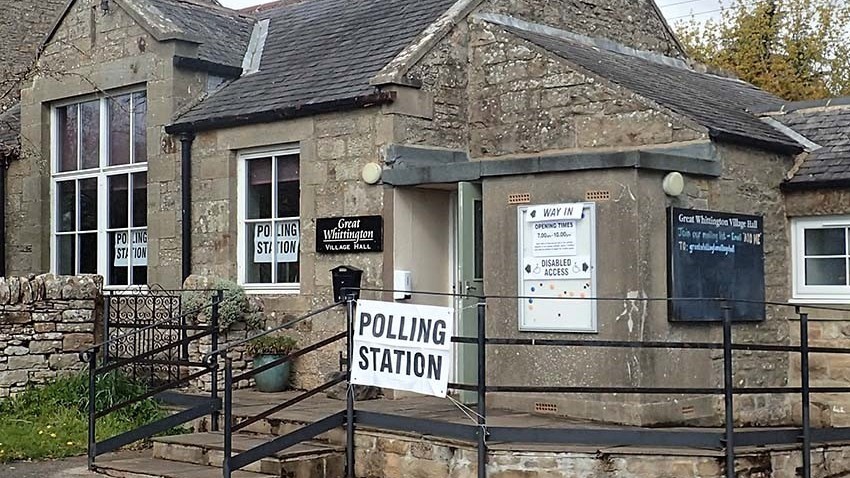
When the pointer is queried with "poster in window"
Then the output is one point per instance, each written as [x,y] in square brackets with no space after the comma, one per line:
[125,251]
[286,246]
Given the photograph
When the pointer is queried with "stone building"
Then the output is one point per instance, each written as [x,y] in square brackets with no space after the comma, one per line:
[184,138]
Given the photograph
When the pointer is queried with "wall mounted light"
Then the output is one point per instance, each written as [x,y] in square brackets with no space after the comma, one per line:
[371,173]
[673,184]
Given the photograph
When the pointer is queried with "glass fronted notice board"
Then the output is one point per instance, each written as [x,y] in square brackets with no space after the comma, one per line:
[715,255]
[557,267]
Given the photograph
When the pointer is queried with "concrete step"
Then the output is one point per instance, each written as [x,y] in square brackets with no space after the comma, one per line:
[158,468]
[305,460]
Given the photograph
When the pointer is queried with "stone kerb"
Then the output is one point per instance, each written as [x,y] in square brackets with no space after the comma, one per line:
[44,321]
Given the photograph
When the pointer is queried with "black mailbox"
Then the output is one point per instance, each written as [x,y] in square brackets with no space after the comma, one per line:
[346,282]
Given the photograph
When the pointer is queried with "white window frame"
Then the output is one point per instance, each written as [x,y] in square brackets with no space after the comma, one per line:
[817,294]
[102,173]
[241,194]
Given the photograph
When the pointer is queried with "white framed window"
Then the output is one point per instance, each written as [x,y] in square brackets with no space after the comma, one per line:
[99,188]
[821,259]
[269,223]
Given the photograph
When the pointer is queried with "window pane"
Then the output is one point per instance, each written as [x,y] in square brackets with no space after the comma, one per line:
[119,130]
[67,134]
[88,253]
[259,194]
[140,199]
[88,204]
[139,256]
[118,201]
[259,253]
[140,114]
[65,248]
[288,191]
[826,271]
[288,272]
[825,242]
[90,131]
[66,206]
[118,258]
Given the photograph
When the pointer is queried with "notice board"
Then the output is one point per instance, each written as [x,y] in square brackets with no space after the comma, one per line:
[556,245]
[715,255]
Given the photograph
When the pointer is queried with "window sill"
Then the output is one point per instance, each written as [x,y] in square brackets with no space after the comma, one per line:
[274,290]
[845,300]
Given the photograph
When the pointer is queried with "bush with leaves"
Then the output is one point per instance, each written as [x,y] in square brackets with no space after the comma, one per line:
[271,345]
[235,306]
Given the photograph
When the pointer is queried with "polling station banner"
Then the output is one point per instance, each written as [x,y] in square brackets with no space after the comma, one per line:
[403,346]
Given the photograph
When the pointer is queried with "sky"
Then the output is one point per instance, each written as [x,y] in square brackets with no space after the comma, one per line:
[674,10]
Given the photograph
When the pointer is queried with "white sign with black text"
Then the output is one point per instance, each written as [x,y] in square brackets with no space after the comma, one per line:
[554,238]
[137,252]
[402,346]
[288,236]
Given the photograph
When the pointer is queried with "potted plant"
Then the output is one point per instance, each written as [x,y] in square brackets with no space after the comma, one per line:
[268,349]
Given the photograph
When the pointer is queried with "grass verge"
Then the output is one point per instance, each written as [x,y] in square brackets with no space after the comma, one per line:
[51,421]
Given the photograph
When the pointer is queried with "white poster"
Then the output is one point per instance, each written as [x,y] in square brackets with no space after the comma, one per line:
[403,346]
[288,237]
[556,245]
[554,238]
[137,252]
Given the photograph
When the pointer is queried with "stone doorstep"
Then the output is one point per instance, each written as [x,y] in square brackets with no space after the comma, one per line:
[156,468]
[304,460]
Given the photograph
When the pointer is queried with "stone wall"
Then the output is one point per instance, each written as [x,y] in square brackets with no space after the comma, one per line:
[93,53]
[44,322]
[333,150]
[20,35]
[631,22]
[524,100]
[379,455]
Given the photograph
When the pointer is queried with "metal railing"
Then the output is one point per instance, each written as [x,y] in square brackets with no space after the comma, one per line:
[482,432]
[233,462]
[113,363]
[727,440]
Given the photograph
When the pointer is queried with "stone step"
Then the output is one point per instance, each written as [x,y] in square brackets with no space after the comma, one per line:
[279,425]
[304,460]
[158,468]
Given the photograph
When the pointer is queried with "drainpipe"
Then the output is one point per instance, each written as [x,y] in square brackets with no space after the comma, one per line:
[186,202]
[4,164]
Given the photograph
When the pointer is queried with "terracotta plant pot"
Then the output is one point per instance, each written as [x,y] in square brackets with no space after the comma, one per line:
[275,379]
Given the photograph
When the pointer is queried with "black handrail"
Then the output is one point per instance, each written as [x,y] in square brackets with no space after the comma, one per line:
[210,406]
[286,325]
[233,462]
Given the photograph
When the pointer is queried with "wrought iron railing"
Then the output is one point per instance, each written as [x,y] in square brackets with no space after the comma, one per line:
[171,350]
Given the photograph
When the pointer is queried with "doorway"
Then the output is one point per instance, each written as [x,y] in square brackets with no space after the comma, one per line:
[469,280]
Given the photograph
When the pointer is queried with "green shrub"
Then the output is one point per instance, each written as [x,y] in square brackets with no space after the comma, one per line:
[271,345]
[235,306]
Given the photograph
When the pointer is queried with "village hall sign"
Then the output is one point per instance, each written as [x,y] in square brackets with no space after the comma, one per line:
[350,234]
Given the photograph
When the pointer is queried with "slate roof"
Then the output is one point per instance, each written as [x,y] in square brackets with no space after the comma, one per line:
[318,52]
[223,33]
[827,125]
[10,129]
[717,103]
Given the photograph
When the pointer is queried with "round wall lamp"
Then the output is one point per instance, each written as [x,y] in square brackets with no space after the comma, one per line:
[673,184]
[371,173]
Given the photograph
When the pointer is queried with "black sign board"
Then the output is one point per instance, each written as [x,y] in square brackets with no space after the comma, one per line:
[714,255]
[350,234]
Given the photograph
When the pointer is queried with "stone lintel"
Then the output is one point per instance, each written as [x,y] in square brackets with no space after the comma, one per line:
[414,165]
